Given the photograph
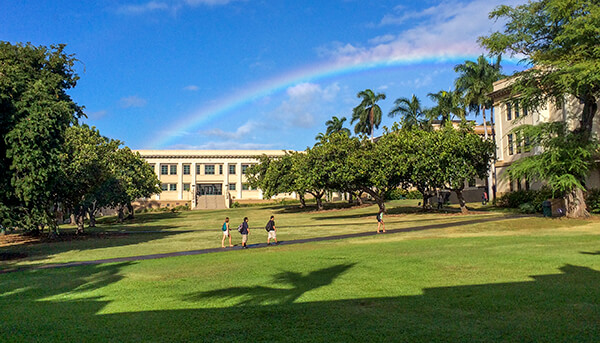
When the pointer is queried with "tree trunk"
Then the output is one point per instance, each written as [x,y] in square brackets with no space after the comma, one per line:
[121,215]
[575,204]
[79,220]
[590,107]
[92,214]
[130,209]
[461,201]
[302,200]
[359,200]
[319,202]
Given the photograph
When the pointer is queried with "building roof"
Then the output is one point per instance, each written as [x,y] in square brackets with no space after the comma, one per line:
[209,153]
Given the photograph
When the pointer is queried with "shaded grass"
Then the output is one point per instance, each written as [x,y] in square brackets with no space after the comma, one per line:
[483,288]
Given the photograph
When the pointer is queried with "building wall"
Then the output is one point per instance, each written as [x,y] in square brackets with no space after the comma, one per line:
[507,153]
[191,171]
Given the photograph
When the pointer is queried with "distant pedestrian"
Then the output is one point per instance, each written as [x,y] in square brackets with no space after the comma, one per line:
[484,198]
[380,223]
[440,201]
[271,231]
[245,231]
[226,233]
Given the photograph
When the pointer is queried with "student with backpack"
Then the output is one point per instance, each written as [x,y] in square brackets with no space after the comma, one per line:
[271,231]
[245,231]
[380,222]
[226,233]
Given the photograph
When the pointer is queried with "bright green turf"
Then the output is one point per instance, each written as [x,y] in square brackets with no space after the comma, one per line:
[491,288]
[193,230]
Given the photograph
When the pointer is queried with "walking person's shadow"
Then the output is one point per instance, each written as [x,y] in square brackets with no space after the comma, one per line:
[260,295]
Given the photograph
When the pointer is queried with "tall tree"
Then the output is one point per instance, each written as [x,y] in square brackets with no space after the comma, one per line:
[35,112]
[412,115]
[449,104]
[336,125]
[560,38]
[476,81]
[367,113]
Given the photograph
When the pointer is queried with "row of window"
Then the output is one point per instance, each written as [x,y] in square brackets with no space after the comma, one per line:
[209,169]
[186,187]
[515,141]
[518,185]
[512,108]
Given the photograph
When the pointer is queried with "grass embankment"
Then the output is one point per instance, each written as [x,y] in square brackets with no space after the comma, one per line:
[523,279]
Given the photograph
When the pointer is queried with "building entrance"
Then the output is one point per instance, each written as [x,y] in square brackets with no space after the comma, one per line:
[209,189]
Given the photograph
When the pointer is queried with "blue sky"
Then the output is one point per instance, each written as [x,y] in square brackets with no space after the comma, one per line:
[227,74]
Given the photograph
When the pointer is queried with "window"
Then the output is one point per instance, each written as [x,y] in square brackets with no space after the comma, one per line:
[164,186]
[172,186]
[527,185]
[209,169]
[527,144]
[232,186]
[519,184]
[510,144]
[524,111]
[232,169]
[511,185]
[508,111]
[164,169]
[245,187]
[173,169]
[518,142]
[186,187]
[220,169]
[186,169]
[472,183]
[244,168]
[516,109]
[152,166]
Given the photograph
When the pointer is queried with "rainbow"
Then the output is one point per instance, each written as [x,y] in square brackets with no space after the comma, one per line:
[281,82]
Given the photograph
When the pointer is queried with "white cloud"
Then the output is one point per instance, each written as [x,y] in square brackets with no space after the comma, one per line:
[173,6]
[243,132]
[192,88]
[305,101]
[445,30]
[132,101]
[96,114]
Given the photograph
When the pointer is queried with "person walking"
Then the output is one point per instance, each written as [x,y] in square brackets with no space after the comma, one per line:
[271,231]
[380,222]
[245,231]
[226,233]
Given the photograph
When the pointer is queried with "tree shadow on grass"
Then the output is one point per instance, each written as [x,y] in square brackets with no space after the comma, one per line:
[590,252]
[295,284]
[558,307]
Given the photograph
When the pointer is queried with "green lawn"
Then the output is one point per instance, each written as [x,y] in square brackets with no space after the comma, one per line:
[505,279]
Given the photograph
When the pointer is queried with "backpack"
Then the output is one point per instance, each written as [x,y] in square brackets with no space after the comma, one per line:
[268,226]
[241,228]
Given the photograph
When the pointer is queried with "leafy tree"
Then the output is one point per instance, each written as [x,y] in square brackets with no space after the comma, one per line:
[275,175]
[566,161]
[449,104]
[336,125]
[35,112]
[475,82]
[411,113]
[367,113]
[560,38]
[310,175]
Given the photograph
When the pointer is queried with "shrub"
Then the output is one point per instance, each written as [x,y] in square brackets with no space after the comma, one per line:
[527,208]
[235,204]
[525,200]
[592,200]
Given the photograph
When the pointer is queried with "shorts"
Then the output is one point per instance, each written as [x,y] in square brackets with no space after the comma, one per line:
[244,238]
[272,234]
[226,233]
[379,220]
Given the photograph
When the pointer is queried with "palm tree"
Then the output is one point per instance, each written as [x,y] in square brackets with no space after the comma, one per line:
[336,125]
[476,81]
[320,136]
[412,115]
[367,113]
[448,105]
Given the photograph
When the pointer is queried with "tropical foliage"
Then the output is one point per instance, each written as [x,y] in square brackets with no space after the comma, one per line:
[367,114]
[412,114]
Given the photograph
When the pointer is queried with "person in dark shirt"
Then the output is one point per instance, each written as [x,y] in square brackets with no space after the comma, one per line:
[271,231]
[245,232]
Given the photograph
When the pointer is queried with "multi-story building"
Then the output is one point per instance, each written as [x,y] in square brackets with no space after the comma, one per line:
[508,114]
[203,178]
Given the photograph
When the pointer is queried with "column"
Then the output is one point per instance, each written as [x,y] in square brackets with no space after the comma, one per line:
[226,178]
[239,182]
[180,181]
[193,184]
[157,171]
[260,194]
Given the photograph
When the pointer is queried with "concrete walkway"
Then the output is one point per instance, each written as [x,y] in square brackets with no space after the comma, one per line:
[254,246]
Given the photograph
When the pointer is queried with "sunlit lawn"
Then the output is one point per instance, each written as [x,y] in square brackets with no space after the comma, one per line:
[528,279]
[165,232]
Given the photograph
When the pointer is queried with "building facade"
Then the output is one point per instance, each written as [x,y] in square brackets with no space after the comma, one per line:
[203,178]
[508,114]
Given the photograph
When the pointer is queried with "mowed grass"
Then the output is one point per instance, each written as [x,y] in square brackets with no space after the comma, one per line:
[165,232]
[476,278]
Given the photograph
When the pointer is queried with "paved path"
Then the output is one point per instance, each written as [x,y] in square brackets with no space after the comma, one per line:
[253,246]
